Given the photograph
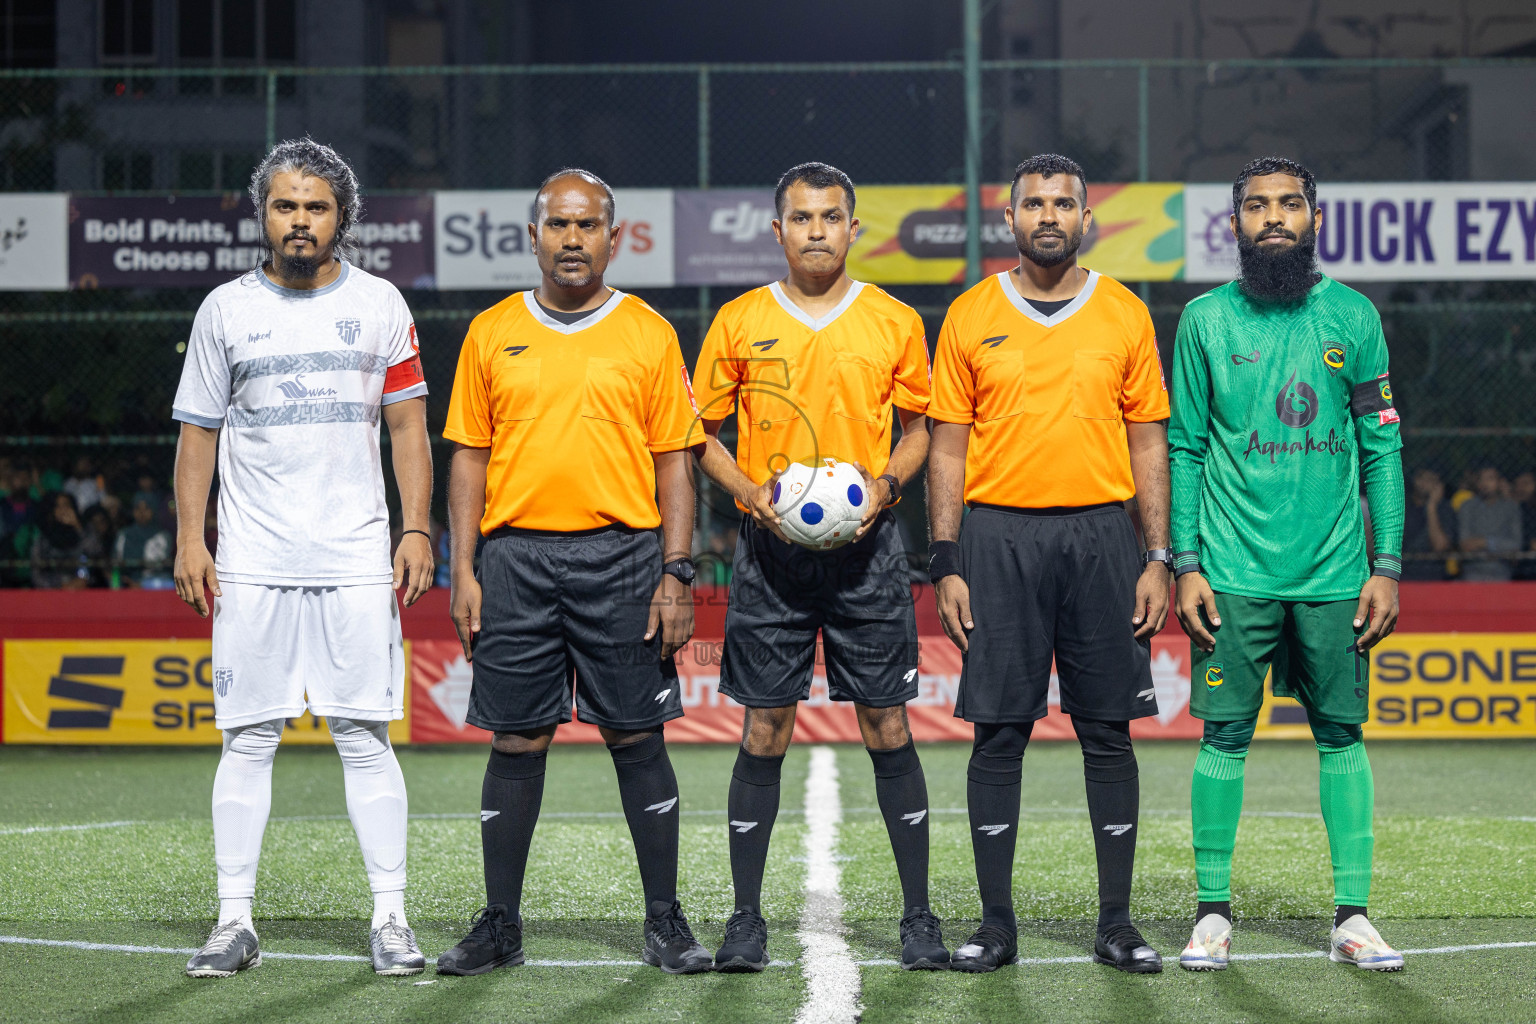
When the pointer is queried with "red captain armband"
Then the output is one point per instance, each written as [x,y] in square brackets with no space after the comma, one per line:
[404,375]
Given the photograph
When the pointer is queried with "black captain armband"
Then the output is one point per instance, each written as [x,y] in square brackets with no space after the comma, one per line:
[1374,396]
[943,559]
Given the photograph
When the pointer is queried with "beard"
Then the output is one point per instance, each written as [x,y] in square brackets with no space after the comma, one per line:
[1278,274]
[301,268]
[1048,257]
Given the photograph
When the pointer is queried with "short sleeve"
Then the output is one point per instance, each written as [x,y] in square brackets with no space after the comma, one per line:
[954,383]
[914,375]
[469,406]
[718,374]
[1144,396]
[202,397]
[671,419]
[404,378]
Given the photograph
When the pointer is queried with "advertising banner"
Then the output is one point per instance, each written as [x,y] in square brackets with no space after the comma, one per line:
[34,241]
[1437,686]
[482,240]
[440,682]
[1425,231]
[915,234]
[725,236]
[127,692]
[205,241]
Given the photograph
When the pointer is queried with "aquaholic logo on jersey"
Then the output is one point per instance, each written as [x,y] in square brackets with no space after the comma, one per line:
[1287,408]
[297,391]
[1333,358]
[350,330]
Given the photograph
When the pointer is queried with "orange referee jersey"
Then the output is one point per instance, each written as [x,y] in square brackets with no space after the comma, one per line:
[572,413]
[807,388]
[1046,396]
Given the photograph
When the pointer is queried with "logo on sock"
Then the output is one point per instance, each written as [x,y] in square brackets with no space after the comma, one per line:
[664,806]
[744,826]
[663,695]
[488,815]
[992,830]
[1117,830]
[915,817]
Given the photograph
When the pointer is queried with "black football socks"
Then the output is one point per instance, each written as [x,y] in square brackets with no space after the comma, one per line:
[992,798]
[751,808]
[902,793]
[509,809]
[1114,798]
[648,789]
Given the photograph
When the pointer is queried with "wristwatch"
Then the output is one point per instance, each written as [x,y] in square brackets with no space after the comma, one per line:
[681,569]
[1164,555]
[894,485]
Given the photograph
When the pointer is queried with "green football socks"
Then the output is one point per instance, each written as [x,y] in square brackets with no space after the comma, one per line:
[1216,803]
[1348,796]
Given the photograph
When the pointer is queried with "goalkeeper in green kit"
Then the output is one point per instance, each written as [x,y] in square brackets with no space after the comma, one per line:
[1281,407]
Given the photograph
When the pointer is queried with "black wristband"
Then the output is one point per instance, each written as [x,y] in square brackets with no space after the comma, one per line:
[424,533]
[943,559]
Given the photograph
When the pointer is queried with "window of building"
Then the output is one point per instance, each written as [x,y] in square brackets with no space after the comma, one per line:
[127,31]
[235,34]
[132,171]
[27,32]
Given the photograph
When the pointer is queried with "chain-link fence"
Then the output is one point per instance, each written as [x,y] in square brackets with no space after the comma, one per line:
[90,374]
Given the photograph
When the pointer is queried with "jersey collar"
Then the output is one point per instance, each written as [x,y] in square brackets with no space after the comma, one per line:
[305,293]
[1005,281]
[537,312]
[815,323]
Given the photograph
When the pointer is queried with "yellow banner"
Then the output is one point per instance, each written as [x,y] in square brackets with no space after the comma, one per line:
[127,692]
[1436,686]
[915,234]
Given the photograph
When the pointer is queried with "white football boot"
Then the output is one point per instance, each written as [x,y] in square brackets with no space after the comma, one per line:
[230,949]
[1209,946]
[1357,942]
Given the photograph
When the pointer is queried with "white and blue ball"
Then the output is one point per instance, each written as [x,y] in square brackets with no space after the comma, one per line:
[820,506]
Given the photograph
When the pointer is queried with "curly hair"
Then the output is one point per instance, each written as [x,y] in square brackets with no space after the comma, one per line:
[1273,165]
[316,160]
[1047,165]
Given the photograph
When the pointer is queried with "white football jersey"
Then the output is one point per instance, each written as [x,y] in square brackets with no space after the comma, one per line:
[296,380]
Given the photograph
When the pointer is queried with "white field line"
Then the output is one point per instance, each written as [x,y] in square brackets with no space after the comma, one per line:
[105,947]
[831,976]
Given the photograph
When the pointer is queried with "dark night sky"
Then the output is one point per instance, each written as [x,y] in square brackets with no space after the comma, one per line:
[785,30]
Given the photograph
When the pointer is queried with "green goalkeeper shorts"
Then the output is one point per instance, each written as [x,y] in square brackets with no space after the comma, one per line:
[1310,644]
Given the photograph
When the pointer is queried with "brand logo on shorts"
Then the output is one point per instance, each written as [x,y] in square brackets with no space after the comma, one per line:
[1333,358]
[1213,676]
[992,830]
[1117,830]
[911,673]
[1148,694]
[662,695]
[349,331]
[744,826]
[223,679]
[664,806]
[915,817]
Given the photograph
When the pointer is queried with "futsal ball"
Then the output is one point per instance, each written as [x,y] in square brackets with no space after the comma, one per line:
[820,506]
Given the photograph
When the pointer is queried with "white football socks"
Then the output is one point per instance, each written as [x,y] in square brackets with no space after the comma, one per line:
[376,803]
[242,800]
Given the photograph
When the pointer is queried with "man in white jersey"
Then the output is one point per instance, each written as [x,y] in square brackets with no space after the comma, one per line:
[292,365]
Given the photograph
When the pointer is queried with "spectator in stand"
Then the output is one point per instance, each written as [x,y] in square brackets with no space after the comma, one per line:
[1490,522]
[1524,493]
[1466,487]
[98,545]
[85,486]
[144,549]
[57,546]
[18,521]
[1429,525]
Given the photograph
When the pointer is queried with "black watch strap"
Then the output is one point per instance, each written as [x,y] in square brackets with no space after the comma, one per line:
[681,569]
[1164,555]
[895,486]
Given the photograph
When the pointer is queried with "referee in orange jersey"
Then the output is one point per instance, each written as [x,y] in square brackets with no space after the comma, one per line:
[570,416]
[1049,413]
[819,366]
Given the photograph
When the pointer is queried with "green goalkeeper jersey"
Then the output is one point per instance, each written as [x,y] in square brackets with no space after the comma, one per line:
[1279,412]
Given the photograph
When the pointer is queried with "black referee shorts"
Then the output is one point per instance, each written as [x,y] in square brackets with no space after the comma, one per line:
[859,596]
[1053,582]
[558,605]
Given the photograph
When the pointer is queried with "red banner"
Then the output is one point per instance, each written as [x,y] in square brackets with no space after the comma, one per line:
[440,682]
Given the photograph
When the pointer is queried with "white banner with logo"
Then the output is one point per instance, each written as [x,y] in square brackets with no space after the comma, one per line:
[34,241]
[482,239]
[1429,231]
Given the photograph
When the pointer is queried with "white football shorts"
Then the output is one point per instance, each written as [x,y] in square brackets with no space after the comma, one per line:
[339,647]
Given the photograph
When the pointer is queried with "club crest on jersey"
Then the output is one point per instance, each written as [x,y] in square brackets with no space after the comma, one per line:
[1333,358]
[1213,676]
[350,330]
[1386,391]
